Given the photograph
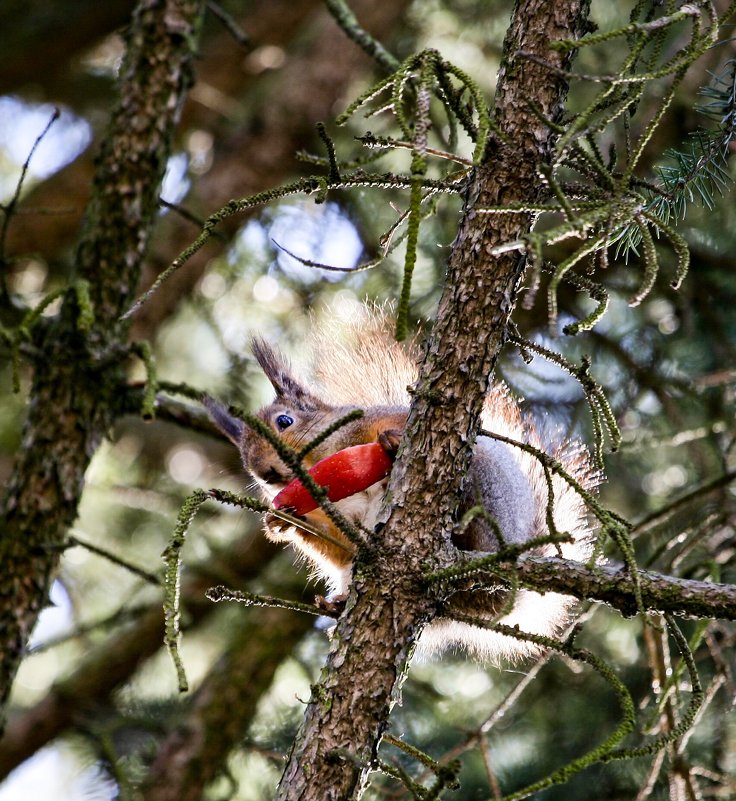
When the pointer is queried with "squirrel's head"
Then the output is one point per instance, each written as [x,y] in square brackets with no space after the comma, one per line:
[296,415]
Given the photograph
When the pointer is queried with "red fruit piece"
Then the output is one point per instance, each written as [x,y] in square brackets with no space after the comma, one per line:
[343,474]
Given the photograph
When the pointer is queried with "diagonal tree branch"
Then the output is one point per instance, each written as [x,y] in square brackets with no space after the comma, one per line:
[222,709]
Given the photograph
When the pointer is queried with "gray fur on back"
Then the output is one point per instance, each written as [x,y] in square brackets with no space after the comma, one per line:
[497,483]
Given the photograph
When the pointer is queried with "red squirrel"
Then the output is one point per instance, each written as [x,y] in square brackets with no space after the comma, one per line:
[369,370]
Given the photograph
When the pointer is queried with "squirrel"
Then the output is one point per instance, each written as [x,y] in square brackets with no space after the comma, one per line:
[368,369]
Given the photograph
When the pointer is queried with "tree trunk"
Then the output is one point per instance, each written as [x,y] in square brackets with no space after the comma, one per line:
[388,606]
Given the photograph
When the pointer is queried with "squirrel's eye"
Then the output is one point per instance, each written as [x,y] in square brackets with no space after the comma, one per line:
[283,421]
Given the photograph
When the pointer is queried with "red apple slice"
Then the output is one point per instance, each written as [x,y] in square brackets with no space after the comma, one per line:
[343,474]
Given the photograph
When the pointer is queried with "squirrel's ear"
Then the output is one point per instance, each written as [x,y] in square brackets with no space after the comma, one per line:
[279,374]
[230,426]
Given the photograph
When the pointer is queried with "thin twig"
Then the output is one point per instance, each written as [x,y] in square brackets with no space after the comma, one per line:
[9,208]
[232,27]
[151,578]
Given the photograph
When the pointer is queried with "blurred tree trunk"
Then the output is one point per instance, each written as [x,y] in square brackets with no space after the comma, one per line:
[80,359]
[196,751]
[107,667]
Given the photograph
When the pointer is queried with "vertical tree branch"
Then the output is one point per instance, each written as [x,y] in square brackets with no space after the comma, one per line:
[387,608]
[76,385]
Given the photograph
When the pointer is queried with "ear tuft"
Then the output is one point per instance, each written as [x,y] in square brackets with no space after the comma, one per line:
[277,371]
[230,426]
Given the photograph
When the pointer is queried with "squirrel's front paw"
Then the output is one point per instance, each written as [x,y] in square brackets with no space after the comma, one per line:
[332,605]
[389,440]
[278,524]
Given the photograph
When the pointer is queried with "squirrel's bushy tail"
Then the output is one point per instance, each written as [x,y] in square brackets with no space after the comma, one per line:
[360,363]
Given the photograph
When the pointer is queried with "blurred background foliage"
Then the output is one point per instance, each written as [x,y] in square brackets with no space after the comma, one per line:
[667,367]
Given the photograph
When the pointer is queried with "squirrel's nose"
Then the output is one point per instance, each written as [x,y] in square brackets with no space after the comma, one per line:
[272,476]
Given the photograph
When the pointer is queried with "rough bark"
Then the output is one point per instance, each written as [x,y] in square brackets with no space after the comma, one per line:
[387,607]
[74,394]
